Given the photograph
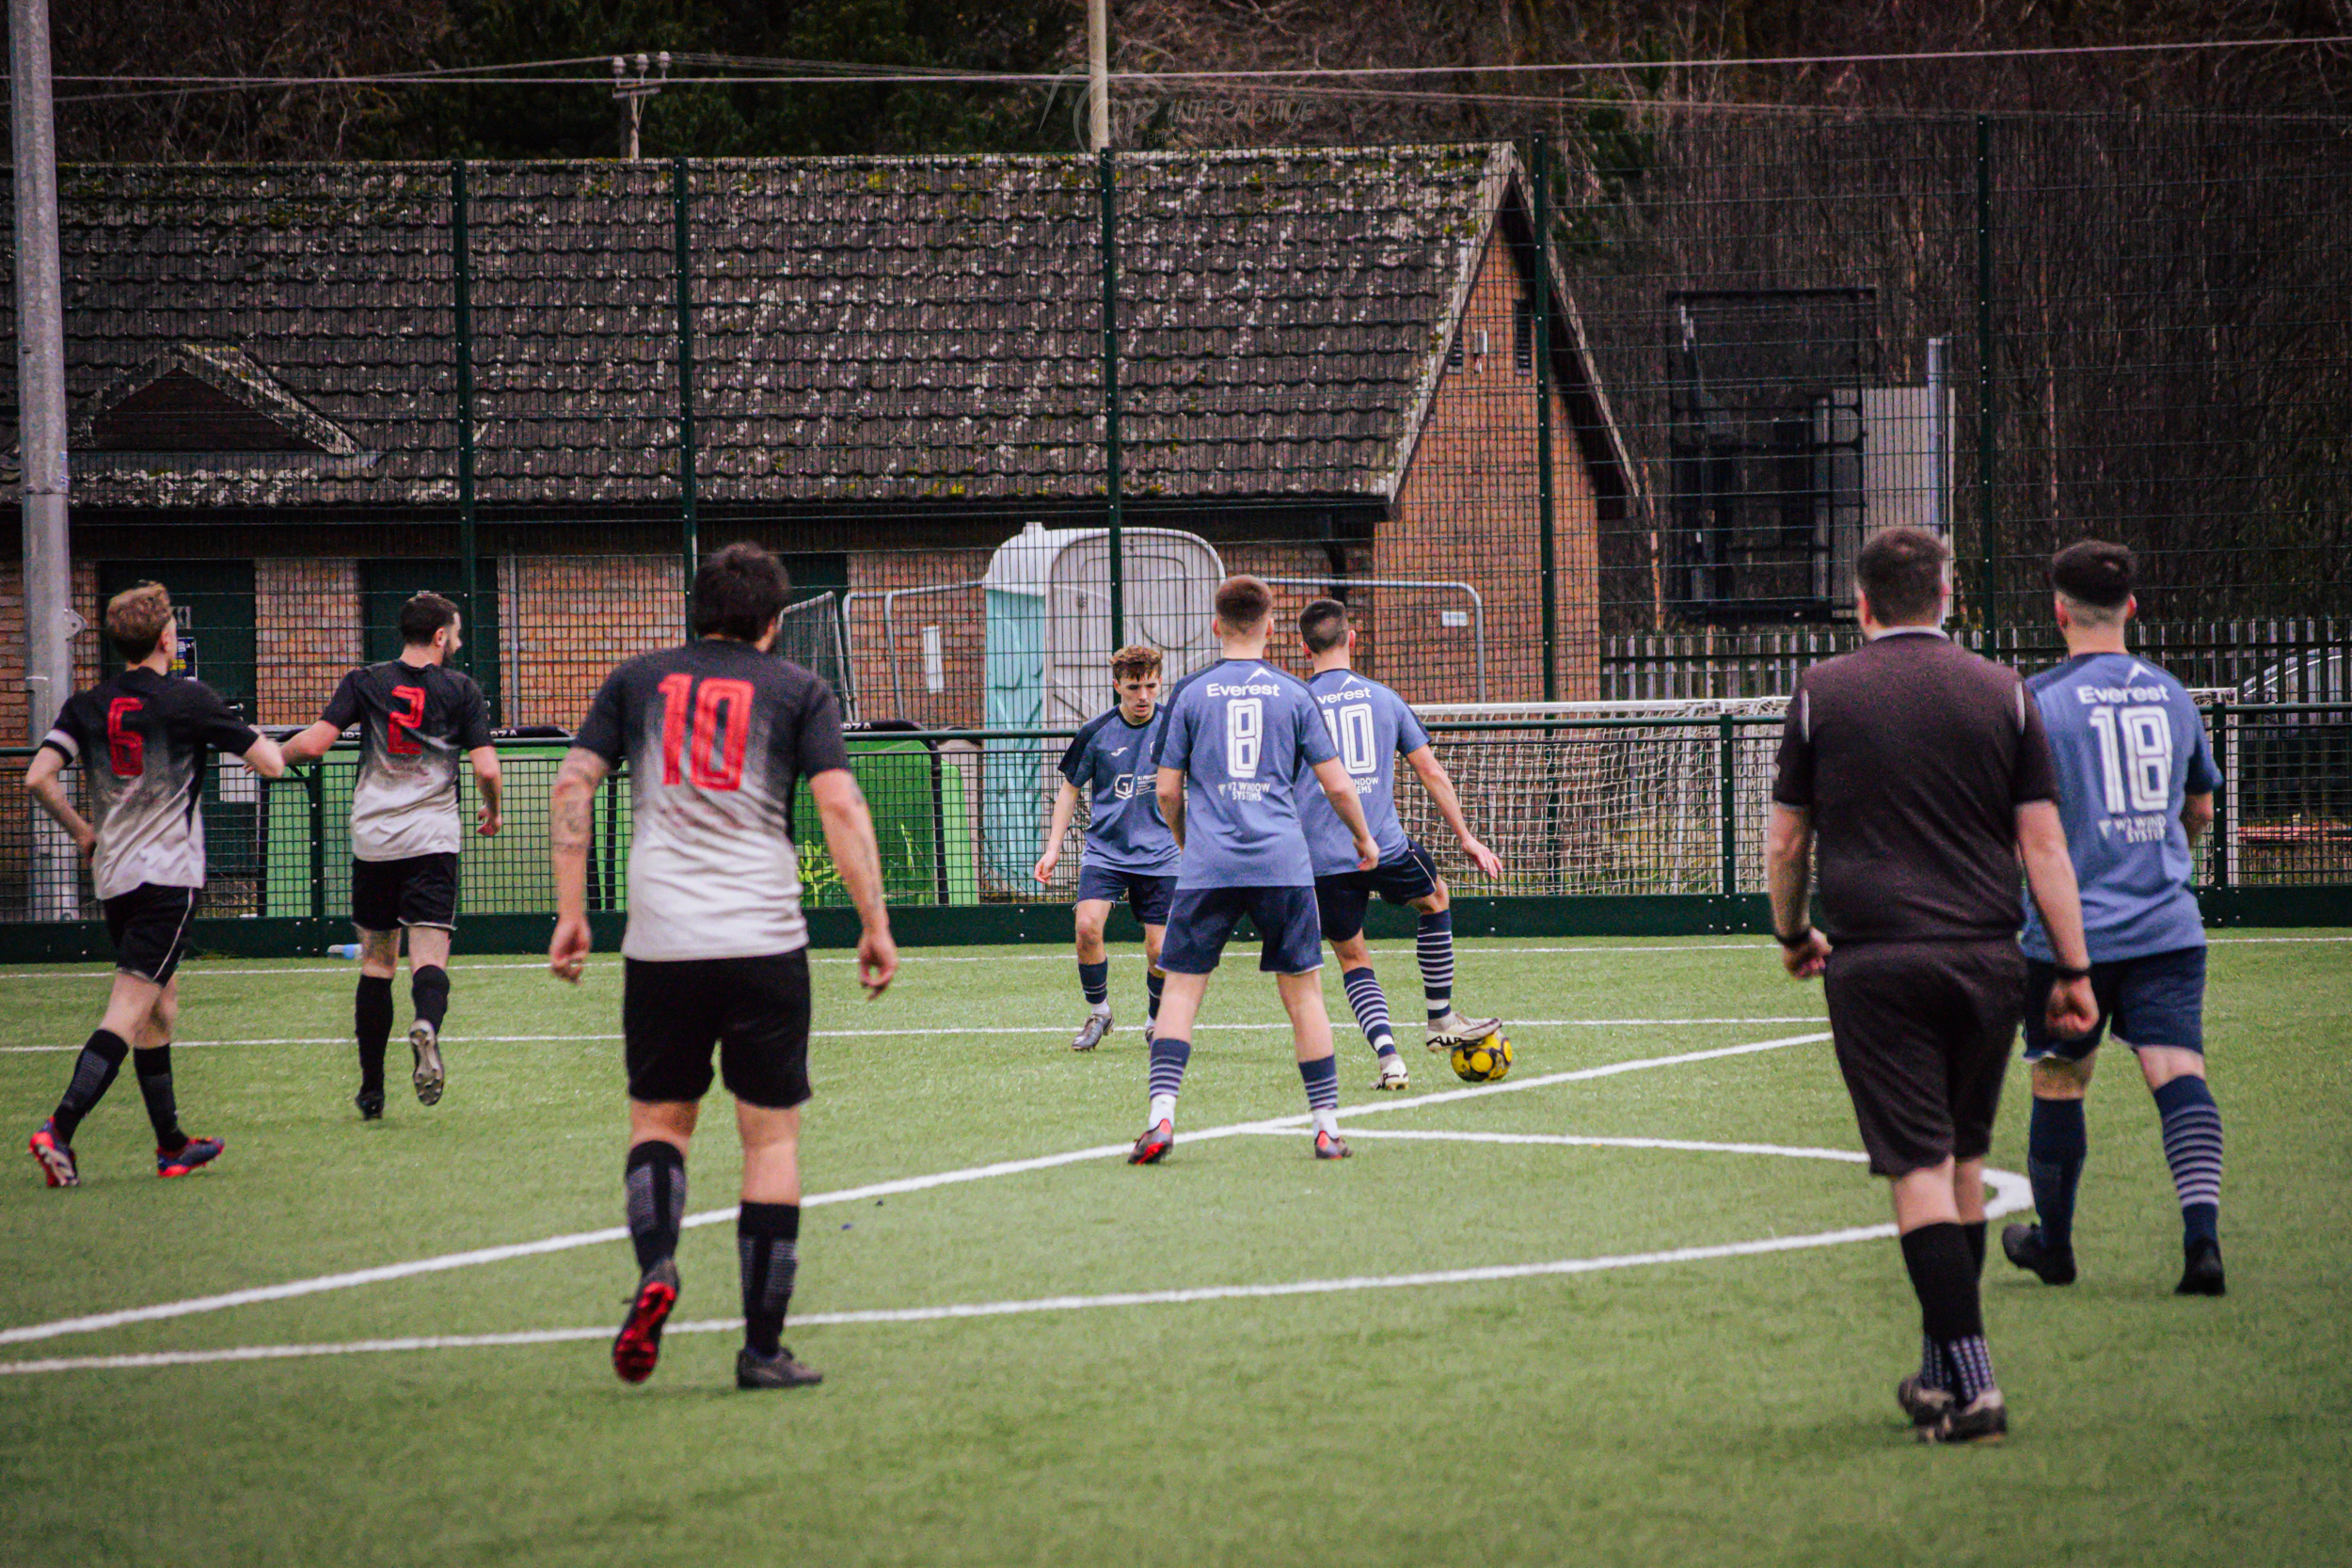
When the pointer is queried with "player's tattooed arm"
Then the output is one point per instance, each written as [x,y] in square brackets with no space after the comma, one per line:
[568,833]
[1065,808]
[492,784]
[1435,779]
[849,837]
[40,780]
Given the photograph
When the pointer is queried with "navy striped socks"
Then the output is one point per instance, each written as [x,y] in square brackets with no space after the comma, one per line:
[2055,1147]
[1372,1008]
[1170,1056]
[1321,1078]
[1095,980]
[2192,1146]
[1433,945]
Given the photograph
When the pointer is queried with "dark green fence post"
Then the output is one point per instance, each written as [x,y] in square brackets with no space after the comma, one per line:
[1988,615]
[1111,453]
[2222,721]
[314,787]
[680,196]
[1725,757]
[461,277]
[1540,296]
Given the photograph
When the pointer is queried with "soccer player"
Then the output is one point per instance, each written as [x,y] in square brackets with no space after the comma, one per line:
[415,714]
[1924,773]
[2136,786]
[1241,732]
[145,739]
[1372,725]
[717,735]
[1129,852]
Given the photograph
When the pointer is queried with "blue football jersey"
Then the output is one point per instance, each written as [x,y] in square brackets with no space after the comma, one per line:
[1111,762]
[1246,735]
[2128,745]
[1371,726]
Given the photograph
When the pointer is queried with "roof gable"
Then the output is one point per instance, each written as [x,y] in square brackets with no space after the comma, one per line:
[202,399]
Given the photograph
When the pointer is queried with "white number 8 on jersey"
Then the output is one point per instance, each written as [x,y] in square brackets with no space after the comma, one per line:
[1245,736]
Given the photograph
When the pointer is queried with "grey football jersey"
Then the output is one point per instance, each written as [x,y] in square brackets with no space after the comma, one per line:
[145,740]
[415,720]
[717,737]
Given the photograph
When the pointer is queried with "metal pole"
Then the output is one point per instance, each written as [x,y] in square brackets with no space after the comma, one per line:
[49,619]
[1547,562]
[689,544]
[1110,394]
[461,271]
[1987,615]
[1098,75]
[1728,807]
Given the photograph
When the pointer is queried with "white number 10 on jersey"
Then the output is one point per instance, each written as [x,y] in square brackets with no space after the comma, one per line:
[1245,736]
[2134,757]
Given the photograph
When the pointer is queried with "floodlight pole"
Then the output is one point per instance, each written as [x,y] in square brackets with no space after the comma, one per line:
[49,619]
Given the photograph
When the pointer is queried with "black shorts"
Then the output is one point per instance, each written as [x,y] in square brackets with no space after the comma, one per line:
[421,889]
[149,926]
[1923,1032]
[1202,919]
[755,1010]
[2158,999]
[1147,893]
[1341,901]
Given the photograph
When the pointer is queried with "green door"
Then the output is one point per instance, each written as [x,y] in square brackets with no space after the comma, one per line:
[387,585]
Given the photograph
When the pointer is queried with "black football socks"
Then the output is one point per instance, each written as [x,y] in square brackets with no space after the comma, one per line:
[372,1022]
[1096,981]
[153,1068]
[428,988]
[2192,1146]
[1944,1276]
[1372,1008]
[2056,1146]
[94,1072]
[767,1240]
[656,1185]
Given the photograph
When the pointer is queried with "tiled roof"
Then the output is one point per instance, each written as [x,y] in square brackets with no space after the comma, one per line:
[865,329]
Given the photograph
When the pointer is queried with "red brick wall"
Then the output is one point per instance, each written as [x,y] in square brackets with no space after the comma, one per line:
[306,634]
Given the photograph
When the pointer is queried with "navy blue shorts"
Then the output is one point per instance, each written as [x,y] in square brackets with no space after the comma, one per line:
[1341,901]
[1147,893]
[1202,919]
[2156,1000]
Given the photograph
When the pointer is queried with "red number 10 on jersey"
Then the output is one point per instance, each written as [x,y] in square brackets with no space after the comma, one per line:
[721,714]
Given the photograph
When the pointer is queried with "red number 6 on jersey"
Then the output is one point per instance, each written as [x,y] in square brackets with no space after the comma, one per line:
[400,729]
[723,770]
[126,750]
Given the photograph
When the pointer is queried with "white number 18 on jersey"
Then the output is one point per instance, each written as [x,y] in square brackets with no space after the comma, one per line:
[2134,757]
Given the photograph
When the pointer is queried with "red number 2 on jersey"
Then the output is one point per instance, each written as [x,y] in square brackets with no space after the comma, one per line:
[125,749]
[400,729]
[715,758]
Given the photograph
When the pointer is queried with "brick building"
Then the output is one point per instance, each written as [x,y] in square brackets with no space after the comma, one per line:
[881,369]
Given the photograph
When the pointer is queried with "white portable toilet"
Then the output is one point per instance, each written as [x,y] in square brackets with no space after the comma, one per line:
[1048,649]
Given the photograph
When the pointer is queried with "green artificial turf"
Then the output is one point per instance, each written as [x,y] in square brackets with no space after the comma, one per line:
[1728,1410]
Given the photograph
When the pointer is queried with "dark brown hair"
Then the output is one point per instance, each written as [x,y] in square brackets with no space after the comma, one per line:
[423,615]
[737,592]
[135,619]
[1243,601]
[2093,573]
[1901,569]
[1135,661]
[1323,625]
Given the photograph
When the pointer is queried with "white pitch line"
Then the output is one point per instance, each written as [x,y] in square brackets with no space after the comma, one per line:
[913,961]
[318,1284]
[2011,1193]
[924,1029]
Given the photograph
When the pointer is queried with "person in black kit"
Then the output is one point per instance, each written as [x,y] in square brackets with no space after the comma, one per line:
[415,714]
[1923,773]
[144,740]
[717,737]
